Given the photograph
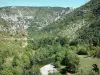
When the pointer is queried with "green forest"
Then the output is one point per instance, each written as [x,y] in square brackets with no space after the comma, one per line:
[71,43]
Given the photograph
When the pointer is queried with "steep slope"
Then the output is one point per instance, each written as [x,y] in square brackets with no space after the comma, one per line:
[51,36]
[91,34]
[17,24]
[82,24]
[16,20]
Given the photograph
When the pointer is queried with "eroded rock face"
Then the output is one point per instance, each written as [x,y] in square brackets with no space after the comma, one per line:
[18,19]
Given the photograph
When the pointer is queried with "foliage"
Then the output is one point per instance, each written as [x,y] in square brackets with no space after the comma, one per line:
[95,51]
[71,61]
[53,42]
[6,72]
[82,52]
[35,70]
[68,59]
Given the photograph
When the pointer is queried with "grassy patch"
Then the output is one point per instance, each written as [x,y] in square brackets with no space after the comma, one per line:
[87,62]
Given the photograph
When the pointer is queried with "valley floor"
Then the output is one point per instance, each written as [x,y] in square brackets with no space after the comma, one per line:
[87,62]
[85,65]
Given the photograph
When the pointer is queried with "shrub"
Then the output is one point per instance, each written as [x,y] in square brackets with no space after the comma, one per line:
[6,72]
[35,70]
[15,61]
[71,61]
[57,64]
[95,52]
[98,54]
[82,52]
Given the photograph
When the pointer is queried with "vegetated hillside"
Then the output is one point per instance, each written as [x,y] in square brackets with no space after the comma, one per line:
[78,31]
[16,20]
[60,41]
[91,34]
[80,25]
[16,25]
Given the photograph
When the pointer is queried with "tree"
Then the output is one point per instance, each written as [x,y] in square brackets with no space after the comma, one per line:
[15,61]
[6,72]
[71,61]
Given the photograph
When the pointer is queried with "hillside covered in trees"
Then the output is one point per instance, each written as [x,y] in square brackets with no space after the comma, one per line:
[75,33]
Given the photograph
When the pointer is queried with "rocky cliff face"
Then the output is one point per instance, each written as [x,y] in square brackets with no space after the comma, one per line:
[16,20]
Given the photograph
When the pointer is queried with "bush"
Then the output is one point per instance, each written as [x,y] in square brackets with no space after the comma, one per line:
[15,61]
[57,64]
[82,52]
[98,54]
[95,52]
[71,61]
[6,72]
[35,70]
